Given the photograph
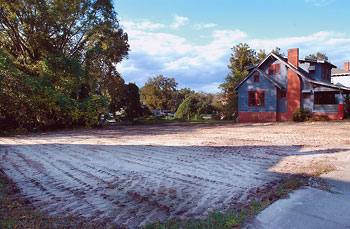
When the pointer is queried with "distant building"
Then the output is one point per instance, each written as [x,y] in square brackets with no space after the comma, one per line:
[278,85]
[340,76]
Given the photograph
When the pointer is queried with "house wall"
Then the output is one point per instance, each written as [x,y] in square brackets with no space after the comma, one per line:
[308,102]
[320,68]
[263,85]
[257,113]
[281,79]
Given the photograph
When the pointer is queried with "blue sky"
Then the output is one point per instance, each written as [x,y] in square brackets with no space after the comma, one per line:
[191,40]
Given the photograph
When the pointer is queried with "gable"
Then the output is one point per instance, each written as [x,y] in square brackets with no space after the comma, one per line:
[262,74]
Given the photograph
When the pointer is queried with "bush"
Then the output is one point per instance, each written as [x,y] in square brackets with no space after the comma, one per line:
[192,109]
[300,114]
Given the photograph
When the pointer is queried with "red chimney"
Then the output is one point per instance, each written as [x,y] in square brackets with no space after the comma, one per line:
[346,66]
[293,57]
[294,84]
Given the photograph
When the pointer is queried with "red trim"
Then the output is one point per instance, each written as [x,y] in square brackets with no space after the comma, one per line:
[282,116]
[256,96]
[257,116]
[273,66]
[323,73]
[327,73]
[320,116]
[257,78]
[340,111]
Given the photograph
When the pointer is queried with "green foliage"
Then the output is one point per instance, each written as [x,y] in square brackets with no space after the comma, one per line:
[242,57]
[301,114]
[132,106]
[277,51]
[159,93]
[318,56]
[57,63]
[193,108]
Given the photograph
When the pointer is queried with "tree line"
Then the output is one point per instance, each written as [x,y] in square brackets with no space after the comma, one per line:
[57,69]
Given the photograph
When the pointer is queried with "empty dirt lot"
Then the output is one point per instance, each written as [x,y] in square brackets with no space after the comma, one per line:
[136,174]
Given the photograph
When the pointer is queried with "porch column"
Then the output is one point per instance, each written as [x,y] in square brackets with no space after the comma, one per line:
[341,106]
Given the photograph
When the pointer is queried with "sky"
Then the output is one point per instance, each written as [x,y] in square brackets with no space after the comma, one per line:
[191,40]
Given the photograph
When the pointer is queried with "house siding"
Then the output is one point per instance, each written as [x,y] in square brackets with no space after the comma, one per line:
[281,79]
[263,85]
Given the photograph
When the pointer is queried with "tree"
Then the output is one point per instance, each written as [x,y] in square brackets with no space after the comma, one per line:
[241,58]
[184,93]
[159,93]
[261,55]
[192,108]
[277,51]
[318,56]
[61,56]
[132,105]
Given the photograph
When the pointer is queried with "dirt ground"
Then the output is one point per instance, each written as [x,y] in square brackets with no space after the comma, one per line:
[136,174]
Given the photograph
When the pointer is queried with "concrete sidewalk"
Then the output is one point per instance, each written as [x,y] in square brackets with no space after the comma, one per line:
[310,207]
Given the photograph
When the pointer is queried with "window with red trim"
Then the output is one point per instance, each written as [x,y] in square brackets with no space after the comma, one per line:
[275,69]
[283,94]
[256,98]
[256,78]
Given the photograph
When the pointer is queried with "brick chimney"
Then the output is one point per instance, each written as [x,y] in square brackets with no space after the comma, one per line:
[294,84]
[346,66]
[293,57]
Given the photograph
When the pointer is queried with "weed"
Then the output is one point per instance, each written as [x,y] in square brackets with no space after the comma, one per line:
[237,217]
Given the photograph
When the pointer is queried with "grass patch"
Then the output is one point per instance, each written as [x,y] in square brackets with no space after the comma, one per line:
[239,216]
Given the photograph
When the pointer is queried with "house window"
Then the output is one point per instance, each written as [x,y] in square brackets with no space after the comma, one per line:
[256,78]
[283,94]
[312,69]
[306,95]
[274,69]
[325,98]
[256,98]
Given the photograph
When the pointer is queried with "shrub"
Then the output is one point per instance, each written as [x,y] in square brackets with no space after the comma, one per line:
[192,109]
[300,114]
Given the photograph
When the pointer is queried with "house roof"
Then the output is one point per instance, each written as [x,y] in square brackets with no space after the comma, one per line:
[263,74]
[339,72]
[298,71]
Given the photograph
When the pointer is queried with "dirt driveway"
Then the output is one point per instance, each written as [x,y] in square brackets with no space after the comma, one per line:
[133,175]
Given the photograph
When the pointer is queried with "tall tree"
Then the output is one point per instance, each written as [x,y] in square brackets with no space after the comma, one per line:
[159,93]
[132,105]
[66,51]
[242,57]
[261,55]
[277,51]
[318,56]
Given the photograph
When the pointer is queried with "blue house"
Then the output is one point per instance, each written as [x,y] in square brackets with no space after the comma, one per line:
[278,85]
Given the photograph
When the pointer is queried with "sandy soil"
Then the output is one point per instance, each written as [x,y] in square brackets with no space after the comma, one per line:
[133,175]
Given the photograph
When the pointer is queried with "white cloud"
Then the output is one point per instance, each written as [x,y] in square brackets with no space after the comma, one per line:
[179,21]
[204,26]
[202,66]
[142,25]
